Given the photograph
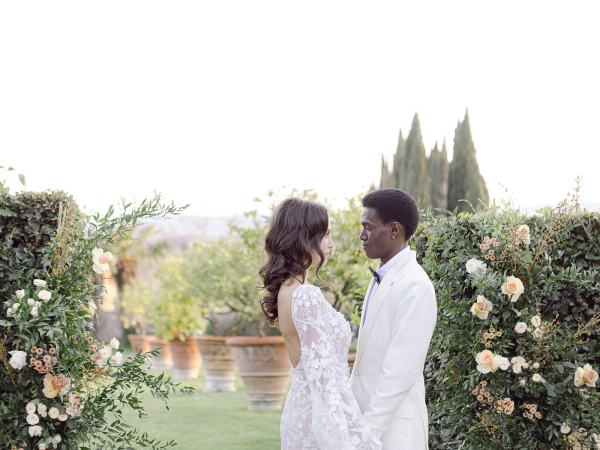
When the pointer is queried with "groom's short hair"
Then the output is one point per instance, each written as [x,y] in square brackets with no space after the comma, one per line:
[394,205]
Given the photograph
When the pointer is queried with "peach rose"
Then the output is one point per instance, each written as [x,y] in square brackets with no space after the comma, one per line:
[482,307]
[586,375]
[513,287]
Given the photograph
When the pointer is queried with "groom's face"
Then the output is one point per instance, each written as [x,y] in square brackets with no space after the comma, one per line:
[376,235]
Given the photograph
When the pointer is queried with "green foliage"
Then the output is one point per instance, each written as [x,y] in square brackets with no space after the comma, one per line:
[136,302]
[175,311]
[44,237]
[437,177]
[560,273]
[466,186]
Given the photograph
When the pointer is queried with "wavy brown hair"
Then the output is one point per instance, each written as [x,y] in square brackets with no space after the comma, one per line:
[297,228]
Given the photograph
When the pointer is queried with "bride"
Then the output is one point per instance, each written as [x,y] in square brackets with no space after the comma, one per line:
[320,411]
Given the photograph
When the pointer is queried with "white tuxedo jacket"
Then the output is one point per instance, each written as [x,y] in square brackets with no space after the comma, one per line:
[387,378]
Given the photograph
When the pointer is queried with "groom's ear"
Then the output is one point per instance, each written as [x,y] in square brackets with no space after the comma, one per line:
[397,230]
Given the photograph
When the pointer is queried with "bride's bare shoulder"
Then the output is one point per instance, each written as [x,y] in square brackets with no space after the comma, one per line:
[287,289]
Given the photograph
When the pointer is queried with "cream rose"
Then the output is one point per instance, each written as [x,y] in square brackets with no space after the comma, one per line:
[513,287]
[30,408]
[35,430]
[44,295]
[501,362]
[20,293]
[482,307]
[586,375]
[486,362]
[117,359]
[521,327]
[536,378]
[33,419]
[53,413]
[564,428]
[39,283]
[536,320]
[523,236]
[475,267]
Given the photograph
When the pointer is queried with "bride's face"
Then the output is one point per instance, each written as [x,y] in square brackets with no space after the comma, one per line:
[326,246]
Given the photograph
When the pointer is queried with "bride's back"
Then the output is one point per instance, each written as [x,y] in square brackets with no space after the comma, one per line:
[286,323]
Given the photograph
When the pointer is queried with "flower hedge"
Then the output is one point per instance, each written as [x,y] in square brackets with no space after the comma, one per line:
[515,355]
[59,386]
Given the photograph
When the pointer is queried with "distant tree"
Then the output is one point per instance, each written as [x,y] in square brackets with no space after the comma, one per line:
[464,180]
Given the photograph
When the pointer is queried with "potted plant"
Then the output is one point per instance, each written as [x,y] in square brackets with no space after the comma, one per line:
[177,317]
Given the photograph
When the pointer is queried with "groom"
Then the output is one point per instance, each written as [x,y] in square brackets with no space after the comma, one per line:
[398,318]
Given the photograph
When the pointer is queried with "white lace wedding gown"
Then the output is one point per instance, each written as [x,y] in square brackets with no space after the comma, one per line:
[320,411]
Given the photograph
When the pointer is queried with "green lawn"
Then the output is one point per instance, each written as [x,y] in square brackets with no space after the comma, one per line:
[217,421]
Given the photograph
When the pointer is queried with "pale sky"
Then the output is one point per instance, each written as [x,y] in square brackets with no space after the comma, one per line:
[214,103]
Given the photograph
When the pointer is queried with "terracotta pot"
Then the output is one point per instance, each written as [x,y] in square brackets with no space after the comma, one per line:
[186,358]
[218,363]
[163,361]
[265,368]
[351,359]
[139,343]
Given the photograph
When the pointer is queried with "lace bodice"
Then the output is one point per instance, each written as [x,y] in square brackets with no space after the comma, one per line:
[320,411]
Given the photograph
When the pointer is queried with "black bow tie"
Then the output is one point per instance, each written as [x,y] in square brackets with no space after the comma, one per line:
[375,275]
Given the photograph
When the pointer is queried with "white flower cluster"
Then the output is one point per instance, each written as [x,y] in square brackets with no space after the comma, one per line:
[42,294]
[106,355]
[35,410]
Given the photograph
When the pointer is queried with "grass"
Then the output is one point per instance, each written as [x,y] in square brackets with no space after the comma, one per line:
[217,421]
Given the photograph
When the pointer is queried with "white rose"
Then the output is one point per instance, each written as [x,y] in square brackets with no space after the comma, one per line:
[30,301]
[41,408]
[502,362]
[63,417]
[564,428]
[525,365]
[20,293]
[57,439]
[39,283]
[536,365]
[35,430]
[16,306]
[513,287]
[536,321]
[9,312]
[482,307]
[523,236]
[34,311]
[53,413]
[523,382]
[536,378]
[114,343]
[105,352]
[475,267]
[117,359]
[30,408]
[33,419]
[42,446]
[18,360]
[586,375]
[517,369]
[101,260]
[44,295]
[521,327]
[486,362]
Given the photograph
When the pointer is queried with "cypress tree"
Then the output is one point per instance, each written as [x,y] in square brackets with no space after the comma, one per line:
[415,174]
[437,174]
[464,180]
